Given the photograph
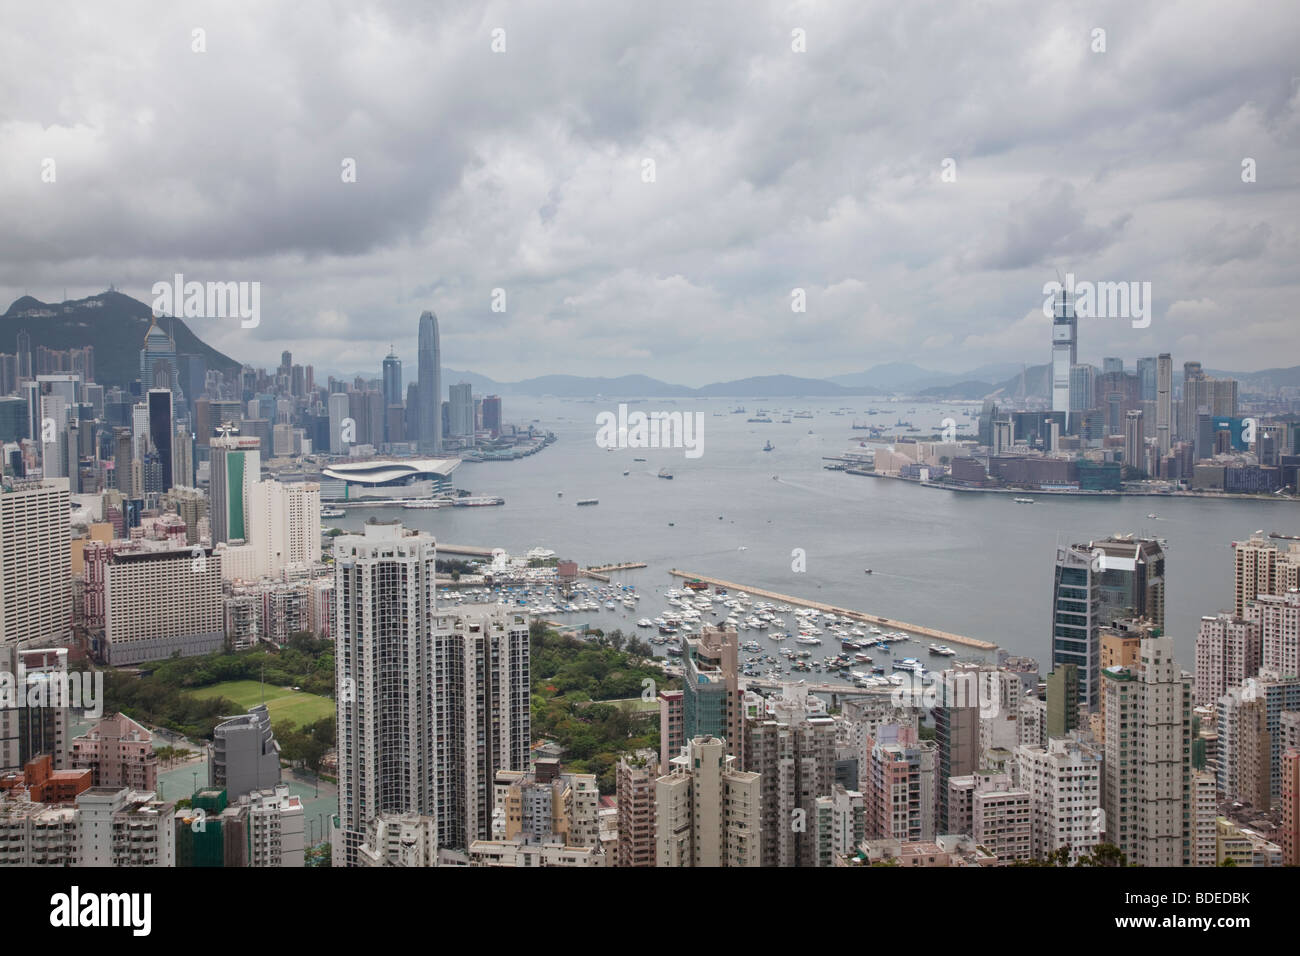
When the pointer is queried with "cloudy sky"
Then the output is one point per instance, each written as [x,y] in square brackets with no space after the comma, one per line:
[774,169]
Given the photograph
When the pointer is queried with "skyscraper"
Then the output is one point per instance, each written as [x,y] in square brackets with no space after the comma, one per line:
[392,391]
[1164,401]
[461,412]
[1134,440]
[159,403]
[711,689]
[1076,604]
[35,570]
[1065,352]
[706,811]
[430,378]
[430,705]
[235,465]
[338,410]
[1148,793]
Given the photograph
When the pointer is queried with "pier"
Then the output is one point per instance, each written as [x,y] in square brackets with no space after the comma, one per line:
[625,566]
[929,632]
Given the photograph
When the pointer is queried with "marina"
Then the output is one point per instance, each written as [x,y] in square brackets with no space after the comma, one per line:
[972,642]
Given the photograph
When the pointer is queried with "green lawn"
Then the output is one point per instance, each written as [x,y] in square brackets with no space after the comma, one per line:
[292,705]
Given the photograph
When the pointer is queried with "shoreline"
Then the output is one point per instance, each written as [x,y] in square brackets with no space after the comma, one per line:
[1020,492]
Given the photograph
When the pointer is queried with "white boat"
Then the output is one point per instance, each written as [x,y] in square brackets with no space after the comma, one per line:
[333,513]
[421,505]
[1023,501]
[805,639]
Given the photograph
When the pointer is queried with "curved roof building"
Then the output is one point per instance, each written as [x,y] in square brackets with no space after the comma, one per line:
[391,471]
[387,477]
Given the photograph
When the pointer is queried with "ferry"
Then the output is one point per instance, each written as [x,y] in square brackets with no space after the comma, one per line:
[478,502]
[1023,501]
[333,513]
[909,664]
[588,501]
[421,505]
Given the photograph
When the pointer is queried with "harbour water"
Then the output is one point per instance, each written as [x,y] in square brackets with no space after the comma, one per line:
[978,565]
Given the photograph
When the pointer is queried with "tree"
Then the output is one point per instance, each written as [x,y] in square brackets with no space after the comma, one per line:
[1104,854]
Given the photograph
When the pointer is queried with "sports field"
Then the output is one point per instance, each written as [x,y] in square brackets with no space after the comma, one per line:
[285,704]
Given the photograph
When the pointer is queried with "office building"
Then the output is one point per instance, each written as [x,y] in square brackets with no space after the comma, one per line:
[430,386]
[1065,337]
[461,410]
[235,465]
[245,754]
[161,435]
[1164,402]
[711,698]
[1134,440]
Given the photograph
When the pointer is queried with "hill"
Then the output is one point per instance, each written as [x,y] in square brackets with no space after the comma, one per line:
[112,323]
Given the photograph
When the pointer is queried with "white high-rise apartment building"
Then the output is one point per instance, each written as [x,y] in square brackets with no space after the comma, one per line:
[1148,794]
[1228,650]
[430,705]
[1261,567]
[285,524]
[35,568]
[1064,783]
[1278,620]
[706,811]
[119,827]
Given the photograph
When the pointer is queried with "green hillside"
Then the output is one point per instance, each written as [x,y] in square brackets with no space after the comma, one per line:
[113,323]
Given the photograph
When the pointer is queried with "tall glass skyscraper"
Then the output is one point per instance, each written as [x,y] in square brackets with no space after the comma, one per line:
[392,390]
[1065,353]
[430,373]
